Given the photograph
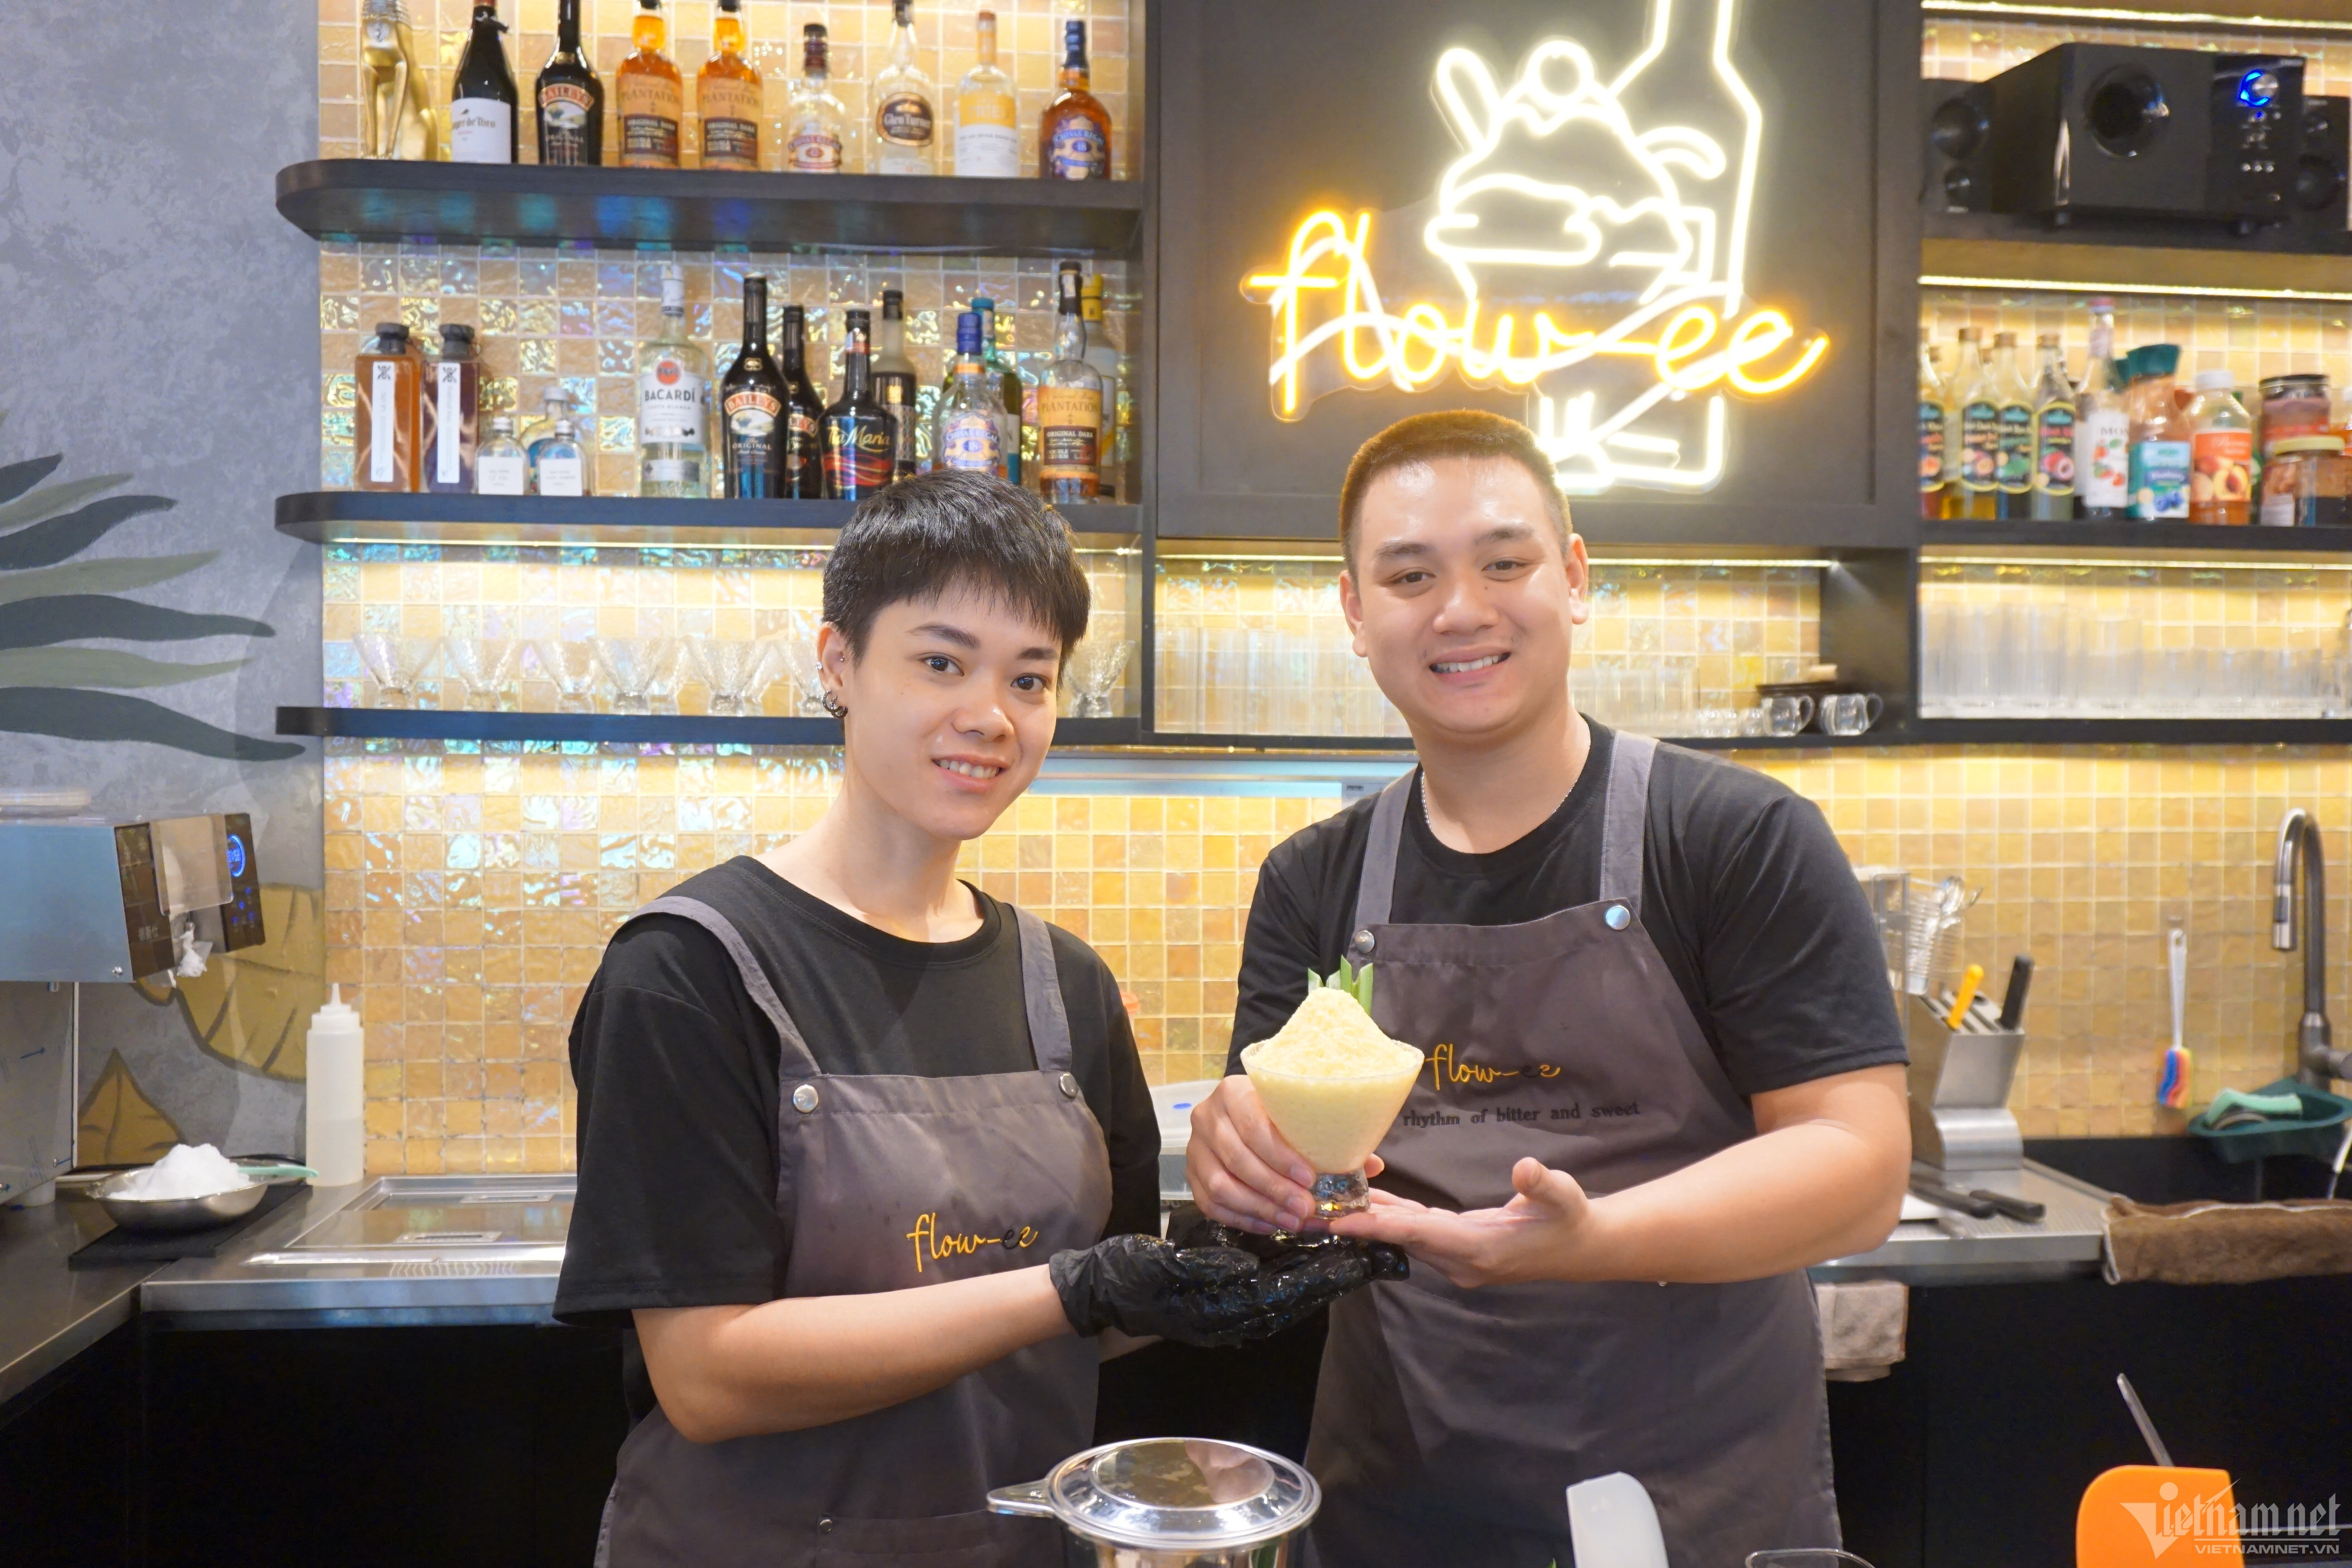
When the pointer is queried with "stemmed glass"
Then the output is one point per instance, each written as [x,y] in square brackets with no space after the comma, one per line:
[570,663]
[642,670]
[1095,667]
[486,667]
[400,665]
[797,648]
[734,668]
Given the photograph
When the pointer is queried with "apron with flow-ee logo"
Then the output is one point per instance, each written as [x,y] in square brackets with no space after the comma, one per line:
[885,1182]
[1449,1423]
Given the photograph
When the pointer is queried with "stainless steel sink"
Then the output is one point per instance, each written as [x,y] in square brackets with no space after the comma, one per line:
[444,1220]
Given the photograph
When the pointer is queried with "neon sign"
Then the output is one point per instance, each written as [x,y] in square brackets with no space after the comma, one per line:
[1631,243]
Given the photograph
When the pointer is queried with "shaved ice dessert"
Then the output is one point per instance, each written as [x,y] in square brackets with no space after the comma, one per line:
[1332,1083]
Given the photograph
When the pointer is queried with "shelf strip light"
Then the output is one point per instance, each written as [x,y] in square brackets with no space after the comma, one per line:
[2072,285]
[2010,10]
[1933,555]
[1169,557]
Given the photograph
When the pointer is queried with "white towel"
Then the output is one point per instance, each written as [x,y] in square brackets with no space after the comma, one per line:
[1862,1327]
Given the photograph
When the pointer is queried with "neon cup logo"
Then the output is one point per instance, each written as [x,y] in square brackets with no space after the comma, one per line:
[1593,238]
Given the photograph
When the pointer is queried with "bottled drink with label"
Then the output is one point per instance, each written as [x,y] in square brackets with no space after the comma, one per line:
[803,412]
[1974,396]
[751,407]
[502,468]
[1010,390]
[1934,416]
[2222,451]
[812,135]
[905,137]
[2103,425]
[894,378]
[482,120]
[552,400]
[2160,444]
[726,95]
[651,97]
[388,428]
[451,414]
[673,398]
[558,466]
[967,434]
[570,99]
[987,133]
[860,436]
[2055,422]
[2014,413]
[1074,133]
[1069,402]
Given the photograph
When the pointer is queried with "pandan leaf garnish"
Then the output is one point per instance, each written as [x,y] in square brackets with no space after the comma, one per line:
[1357,982]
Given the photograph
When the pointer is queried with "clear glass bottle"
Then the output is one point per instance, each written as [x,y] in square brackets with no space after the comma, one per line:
[388,381]
[860,436]
[906,140]
[483,120]
[650,95]
[452,415]
[501,467]
[2013,397]
[558,464]
[1979,418]
[2160,450]
[2222,451]
[1011,390]
[673,403]
[814,124]
[1074,133]
[726,95]
[1118,397]
[570,99]
[1935,415]
[803,410]
[2103,425]
[2055,419]
[1069,402]
[553,401]
[894,377]
[969,431]
[987,134]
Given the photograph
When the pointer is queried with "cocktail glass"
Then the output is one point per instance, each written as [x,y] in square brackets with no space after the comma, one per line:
[1096,665]
[797,646]
[399,665]
[486,667]
[570,663]
[734,668]
[1334,1121]
[642,670]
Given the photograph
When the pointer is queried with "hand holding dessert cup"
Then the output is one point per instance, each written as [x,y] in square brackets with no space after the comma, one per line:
[1332,1083]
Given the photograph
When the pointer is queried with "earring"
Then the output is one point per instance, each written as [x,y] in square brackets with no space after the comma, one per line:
[833,704]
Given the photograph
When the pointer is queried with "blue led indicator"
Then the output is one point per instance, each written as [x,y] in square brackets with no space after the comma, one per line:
[235,855]
[2256,89]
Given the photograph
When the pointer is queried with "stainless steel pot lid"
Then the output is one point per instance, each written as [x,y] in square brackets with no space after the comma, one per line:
[1172,1493]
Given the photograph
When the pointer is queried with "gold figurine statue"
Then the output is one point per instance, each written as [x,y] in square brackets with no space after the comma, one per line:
[396,121]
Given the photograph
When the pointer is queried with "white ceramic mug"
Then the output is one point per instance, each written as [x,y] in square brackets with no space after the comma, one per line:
[1851,713]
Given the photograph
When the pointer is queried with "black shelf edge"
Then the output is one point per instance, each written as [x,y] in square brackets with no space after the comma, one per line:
[2126,535]
[2092,229]
[633,729]
[700,209]
[2131,732]
[378,517]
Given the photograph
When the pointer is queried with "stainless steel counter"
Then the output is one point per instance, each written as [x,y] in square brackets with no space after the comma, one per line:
[1954,1249]
[50,1313]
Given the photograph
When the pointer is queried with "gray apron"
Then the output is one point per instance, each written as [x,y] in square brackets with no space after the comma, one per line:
[1449,1423]
[884,1183]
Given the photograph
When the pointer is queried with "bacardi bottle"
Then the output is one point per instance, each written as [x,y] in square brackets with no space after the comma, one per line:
[673,395]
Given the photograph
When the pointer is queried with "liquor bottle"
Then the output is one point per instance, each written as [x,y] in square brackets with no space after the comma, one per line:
[2161,450]
[860,436]
[482,118]
[2222,451]
[894,378]
[387,380]
[2103,425]
[751,404]
[812,135]
[804,413]
[452,415]
[987,136]
[967,434]
[558,465]
[1119,398]
[1012,393]
[552,400]
[502,468]
[1934,417]
[1069,402]
[2013,413]
[1979,409]
[570,99]
[396,120]
[904,130]
[650,95]
[673,398]
[2055,416]
[1074,133]
[726,95]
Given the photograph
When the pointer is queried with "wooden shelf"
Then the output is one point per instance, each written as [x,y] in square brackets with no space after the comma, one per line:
[378,517]
[662,209]
[633,729]
[2136,539]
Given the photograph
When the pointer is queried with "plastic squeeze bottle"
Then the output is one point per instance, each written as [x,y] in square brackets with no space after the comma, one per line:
[334,1138]
[2221,449]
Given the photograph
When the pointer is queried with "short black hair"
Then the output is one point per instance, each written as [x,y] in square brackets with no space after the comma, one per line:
[934,533]
[1454,433]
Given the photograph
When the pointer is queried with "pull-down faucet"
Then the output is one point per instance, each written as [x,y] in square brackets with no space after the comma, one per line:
[2316,1060]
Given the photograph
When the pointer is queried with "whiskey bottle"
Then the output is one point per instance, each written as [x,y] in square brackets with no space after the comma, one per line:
[500,469]
[1118,399]
[751,405]
[987,134]
[804,413]
[860,436]
[673,382]
[570,99]
[1074,134]
[726,95]
[646,84]
[482,120]
[812,136]
[967,433]
[894,378]
[452,428]
[1069,402]
[386,379]
[904,126]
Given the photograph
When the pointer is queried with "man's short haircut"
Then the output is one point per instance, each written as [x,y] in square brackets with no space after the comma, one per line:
[936,533]
[1455,433]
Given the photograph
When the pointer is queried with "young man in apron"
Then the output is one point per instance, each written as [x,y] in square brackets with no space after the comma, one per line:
[852,1134]
[1664,1068]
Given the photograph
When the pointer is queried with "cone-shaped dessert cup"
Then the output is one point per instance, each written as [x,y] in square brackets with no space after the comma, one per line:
[1332,1083]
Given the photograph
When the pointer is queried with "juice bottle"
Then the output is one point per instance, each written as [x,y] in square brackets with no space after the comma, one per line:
[389,377]
[2222,451]
[2013,417]
[2160,453]
[2103,425]
[1933,415]
[1979,430]
[2054,425]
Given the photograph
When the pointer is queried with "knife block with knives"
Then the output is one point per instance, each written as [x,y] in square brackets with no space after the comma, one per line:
[1960,1081]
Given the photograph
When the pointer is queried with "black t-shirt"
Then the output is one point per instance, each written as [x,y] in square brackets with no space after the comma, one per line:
[677,1070]
[1745,891]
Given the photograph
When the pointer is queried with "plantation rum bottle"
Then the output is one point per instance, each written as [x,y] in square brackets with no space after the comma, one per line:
[751,407]
[1069,402]
[570,99]
[987,133]
[1074,133]
[647,87]
[726,95]
[2056,419]
[905,129]
[814,126]
[482,118]
[673,382]
[452,415]
[388,381]
[803,412]
[860,436]
[894,378]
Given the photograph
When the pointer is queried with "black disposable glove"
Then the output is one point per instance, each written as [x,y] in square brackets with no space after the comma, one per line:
[1212,1295]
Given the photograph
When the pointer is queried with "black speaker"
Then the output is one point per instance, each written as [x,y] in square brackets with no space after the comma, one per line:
[1956,120]
[2319,210]
[2106,129]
